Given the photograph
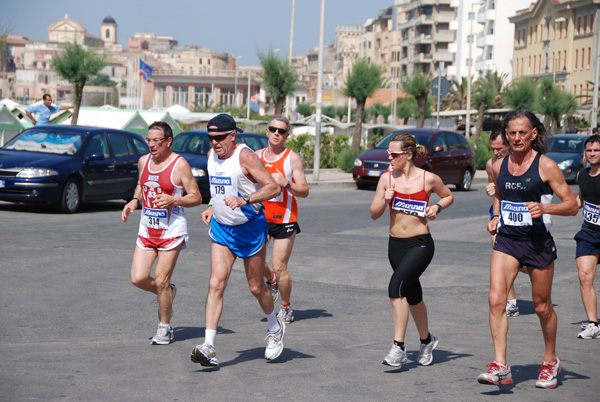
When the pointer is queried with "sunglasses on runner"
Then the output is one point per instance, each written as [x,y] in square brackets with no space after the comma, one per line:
[218,138]
[281,131]
[396,154]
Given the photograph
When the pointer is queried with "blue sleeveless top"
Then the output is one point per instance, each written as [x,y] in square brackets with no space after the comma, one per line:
[515,191]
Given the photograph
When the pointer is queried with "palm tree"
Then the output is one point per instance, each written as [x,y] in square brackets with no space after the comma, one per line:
[78,66]
[279,78]
[522,94]
[487,94]
[418,86]
[554,103]
[362,82]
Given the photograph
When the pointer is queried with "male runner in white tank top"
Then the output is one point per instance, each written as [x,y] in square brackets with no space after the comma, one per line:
[239,183]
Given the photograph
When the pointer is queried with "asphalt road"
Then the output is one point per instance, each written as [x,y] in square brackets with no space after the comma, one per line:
[73,328]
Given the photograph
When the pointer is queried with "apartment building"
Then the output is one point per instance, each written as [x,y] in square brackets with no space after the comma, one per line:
[425,34]
[558,40]
[496,51]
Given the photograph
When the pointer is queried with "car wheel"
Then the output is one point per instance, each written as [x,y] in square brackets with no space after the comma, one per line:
[465,183]
[361,185]
[71,197]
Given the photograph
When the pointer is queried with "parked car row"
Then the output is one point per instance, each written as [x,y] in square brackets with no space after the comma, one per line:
[449,155]
[67,165]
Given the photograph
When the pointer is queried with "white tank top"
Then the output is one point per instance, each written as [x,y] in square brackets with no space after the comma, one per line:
[227,179]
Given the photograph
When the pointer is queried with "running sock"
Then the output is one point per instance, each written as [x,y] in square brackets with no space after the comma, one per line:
[512,302]
[273,278]
[401,344]
[272,321]
[426,340]
[594,322]
[209,336]
[285,305]
[167,326]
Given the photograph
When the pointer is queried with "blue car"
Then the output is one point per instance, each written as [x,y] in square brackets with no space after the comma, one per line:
[567,151]
[66,165]
[194,146]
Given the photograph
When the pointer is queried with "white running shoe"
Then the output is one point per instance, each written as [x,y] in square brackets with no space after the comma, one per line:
[205,354]
[549,374]
[497,374]
[275,342]
[426,351]
[395,357]
[589,331]
[286,314]
[163,336]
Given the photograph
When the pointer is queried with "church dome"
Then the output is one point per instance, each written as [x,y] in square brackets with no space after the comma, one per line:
[109,20]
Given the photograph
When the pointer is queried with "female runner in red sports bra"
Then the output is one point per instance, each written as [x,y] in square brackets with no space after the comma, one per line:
[405,190]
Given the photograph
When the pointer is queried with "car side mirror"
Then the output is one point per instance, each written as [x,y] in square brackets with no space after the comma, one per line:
[438,148]
[95,157]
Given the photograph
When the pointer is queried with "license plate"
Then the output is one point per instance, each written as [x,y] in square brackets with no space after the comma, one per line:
[2,185]
[375,173]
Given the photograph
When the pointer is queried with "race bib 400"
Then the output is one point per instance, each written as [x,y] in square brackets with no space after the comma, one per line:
[515,214]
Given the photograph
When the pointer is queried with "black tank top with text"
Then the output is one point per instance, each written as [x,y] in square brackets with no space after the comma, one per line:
[515,191]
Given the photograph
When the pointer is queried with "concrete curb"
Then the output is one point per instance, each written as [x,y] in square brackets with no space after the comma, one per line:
[337,178]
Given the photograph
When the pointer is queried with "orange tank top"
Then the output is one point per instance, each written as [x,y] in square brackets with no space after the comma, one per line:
[283,208]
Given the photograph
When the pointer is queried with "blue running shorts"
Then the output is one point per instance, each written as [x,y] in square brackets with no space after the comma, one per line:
[243,240]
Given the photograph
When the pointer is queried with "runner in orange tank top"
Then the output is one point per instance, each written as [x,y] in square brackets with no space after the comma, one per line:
[282,211]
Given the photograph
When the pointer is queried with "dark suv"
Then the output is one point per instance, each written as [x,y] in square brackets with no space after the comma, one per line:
[194,146]
[449,155]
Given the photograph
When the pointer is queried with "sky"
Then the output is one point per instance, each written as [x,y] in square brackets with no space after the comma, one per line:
[237,27]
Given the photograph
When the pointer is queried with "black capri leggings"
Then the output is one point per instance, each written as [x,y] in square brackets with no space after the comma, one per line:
[409,258]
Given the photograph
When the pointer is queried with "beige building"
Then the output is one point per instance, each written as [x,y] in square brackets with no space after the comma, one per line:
[67,30]
[558,39]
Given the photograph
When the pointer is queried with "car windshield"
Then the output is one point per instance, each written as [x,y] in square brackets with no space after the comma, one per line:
[191,143]
[48,142]
[422,139]
[566,145]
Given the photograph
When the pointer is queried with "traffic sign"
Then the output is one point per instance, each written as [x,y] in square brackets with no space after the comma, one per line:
[444,88]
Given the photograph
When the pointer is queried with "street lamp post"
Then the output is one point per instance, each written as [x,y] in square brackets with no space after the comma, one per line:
[235,91]
[470,61]
[561,19]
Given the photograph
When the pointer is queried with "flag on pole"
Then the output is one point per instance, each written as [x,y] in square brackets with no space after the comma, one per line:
[145,71]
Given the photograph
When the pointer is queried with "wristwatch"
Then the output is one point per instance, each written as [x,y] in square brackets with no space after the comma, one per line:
[288,185]
[247,199]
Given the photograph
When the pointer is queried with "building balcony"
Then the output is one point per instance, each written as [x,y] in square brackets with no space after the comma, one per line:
[422,39]
[444,56]
[453,47]
[485,40]
[454,25]
[423,58]
[451,71]
[486,15]
[444,36]
[444,16]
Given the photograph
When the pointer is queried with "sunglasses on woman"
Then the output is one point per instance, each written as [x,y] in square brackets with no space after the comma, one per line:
[396,154]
